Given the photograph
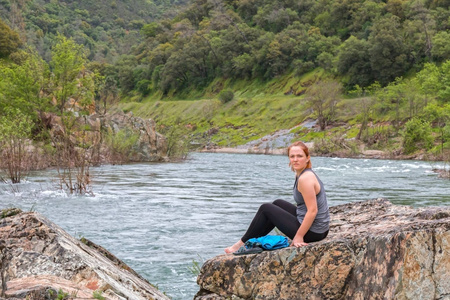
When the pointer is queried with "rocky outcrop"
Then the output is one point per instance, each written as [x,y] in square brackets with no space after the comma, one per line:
[375,250]
[38,260]
[149,146]
[118,137]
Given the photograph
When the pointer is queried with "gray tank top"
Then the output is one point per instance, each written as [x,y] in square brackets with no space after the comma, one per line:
[322,221]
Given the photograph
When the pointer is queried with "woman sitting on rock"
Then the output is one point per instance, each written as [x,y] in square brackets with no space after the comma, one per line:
[309,221]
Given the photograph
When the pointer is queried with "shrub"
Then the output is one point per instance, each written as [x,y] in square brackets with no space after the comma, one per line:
[417,135]
[120,144]
[143,86]
[226,96]
[15,131]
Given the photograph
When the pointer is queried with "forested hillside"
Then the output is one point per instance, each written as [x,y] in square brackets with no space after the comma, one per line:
[358,40]
[107,29]
[374,72]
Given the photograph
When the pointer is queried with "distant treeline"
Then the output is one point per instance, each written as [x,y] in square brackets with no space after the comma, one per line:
[107,29]
[360,41]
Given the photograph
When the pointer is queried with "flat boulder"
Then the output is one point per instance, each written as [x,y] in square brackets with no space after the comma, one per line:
[39,260]
[375,250]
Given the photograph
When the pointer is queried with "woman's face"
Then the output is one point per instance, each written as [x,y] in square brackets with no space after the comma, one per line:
[298,158]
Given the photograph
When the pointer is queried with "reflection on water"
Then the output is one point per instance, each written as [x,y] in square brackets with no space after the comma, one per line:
[159,218]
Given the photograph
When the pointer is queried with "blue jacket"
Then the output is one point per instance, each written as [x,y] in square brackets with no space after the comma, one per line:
[269,242]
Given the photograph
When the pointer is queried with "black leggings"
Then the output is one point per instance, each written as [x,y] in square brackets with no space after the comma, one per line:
[280,214]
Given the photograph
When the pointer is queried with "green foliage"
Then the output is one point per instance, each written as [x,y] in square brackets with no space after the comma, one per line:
[353,60]
[364,41]
[435,80]
[15,132]
[106,30]
[98,295]
[226,96]
[120,144]
[9,40]
[439,115]
[151,29]
[21,85]
[262,50]
[399,100]
[195,268]
[178,140]
[333,144]
[417,135]
[441,46]
[68,61]
[60,295]
[387,50]
[323,98]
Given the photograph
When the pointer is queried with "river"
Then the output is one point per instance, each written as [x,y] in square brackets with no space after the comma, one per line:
[164,219]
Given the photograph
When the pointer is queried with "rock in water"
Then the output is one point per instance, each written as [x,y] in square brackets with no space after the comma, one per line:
[39,260]
[375,250]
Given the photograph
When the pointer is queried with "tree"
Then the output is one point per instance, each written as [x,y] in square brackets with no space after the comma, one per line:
[435,81]
[22,87]
[419,29]
[391,99]
[151,29]
[74,145]
[125,72]
[441,46]
[417,135]
[354,61]
[68,61]
[428,79]
[9,40]
[440,116]
[365,106]
[387,51]
[243,65]
[323,97]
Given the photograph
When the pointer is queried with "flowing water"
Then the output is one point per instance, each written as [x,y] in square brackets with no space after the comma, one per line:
[164,219]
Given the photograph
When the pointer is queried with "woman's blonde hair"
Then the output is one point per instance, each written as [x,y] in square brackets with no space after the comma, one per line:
[304,148]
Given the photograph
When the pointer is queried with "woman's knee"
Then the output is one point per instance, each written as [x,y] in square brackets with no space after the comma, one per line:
[279,202]
[265,206]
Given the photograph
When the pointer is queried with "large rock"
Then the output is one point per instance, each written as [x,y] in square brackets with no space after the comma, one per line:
[109,133]
[150,145]
[39,260]
[375,250]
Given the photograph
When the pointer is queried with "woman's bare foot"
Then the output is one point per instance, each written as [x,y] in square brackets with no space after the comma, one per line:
[235,247]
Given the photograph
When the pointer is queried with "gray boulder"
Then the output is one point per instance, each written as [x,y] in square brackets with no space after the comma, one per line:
[39,260]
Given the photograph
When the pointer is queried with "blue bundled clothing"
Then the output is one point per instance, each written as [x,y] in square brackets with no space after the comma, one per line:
[269,242]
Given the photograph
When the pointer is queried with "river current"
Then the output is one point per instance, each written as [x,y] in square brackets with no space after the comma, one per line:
[165,219]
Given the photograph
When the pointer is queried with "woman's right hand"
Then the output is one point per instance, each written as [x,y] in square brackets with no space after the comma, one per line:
[298,242]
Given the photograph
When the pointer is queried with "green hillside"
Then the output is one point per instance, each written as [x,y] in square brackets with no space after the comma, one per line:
[222,73]
[359,41]
[107,29]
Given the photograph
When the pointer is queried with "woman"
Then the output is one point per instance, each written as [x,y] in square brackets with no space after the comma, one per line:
[309,221]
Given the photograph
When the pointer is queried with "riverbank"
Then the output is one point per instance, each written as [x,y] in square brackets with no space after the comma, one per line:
[368,154]
[362,154]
